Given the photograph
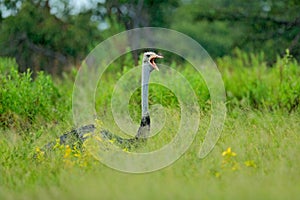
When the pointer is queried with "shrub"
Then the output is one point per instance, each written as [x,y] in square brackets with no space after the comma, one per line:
[22,99]
[250,82]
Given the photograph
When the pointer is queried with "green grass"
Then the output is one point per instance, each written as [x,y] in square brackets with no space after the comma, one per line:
[256,156]
[268,143]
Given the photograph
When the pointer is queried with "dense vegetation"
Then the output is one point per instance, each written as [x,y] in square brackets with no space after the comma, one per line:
[256,47]
[249,83]
[256,155]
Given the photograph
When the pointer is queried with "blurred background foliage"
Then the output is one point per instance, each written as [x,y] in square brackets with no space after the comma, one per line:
[54,35]
[255,45]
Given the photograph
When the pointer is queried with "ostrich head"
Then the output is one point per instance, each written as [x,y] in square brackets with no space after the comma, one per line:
[149,60]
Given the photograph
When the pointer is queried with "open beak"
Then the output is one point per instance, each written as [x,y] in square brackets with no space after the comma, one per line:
[152,61]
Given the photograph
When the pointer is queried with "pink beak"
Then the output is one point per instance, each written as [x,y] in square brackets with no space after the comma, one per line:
[153,64]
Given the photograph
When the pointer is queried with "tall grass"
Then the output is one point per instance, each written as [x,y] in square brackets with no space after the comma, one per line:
[265,166]
[255,157]
[25,100]
[250,82]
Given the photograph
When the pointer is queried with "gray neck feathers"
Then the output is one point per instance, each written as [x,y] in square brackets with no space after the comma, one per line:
[146,70]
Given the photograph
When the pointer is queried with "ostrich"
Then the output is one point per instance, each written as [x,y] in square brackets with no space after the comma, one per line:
[148,66]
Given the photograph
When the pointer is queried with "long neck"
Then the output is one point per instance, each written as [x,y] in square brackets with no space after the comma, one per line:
[145,84]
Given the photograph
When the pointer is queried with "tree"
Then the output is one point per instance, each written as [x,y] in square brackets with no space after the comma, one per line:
[137,13]
[270,26]
[44,36]
[40,40]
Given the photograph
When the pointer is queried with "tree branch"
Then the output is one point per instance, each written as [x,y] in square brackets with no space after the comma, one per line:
[239,16]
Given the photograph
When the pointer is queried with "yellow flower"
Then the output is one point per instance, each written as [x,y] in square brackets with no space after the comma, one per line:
[67,151]
[77,155]
[228,152]
[57,144]
[112,140]
[37,149]
[250,163]
[125,149]
[217,174]
[39,154]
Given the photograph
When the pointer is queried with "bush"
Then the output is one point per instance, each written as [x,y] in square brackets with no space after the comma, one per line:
[251,83]
[22,99]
